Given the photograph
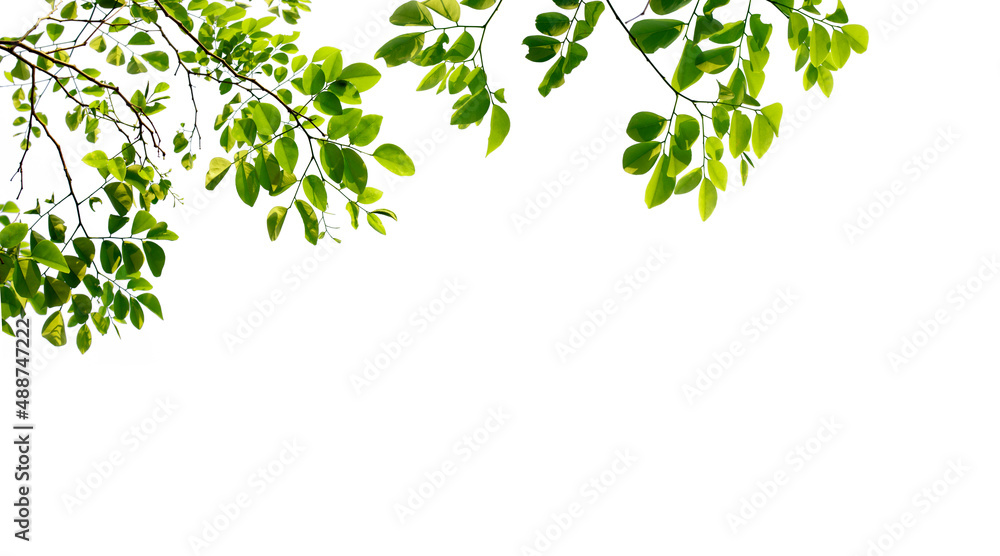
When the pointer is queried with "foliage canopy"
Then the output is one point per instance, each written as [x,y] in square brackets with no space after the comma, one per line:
[297,136]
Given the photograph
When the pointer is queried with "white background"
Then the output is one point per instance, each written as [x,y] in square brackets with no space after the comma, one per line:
[928,74]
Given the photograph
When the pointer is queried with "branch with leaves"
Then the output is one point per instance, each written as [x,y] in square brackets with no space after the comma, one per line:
[84,258]
[665,146]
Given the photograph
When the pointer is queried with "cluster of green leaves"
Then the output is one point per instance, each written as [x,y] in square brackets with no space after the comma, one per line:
[735,51]
[86,285]
[737,118]
[89,59]
[560,39]
[454,67]
[819,50]
[304,140]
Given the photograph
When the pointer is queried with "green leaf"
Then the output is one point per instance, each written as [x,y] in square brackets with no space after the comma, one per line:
[720,120]
[714,148]
[48,254]
[412,14]
[85,249]
[27,278]
[363,76]
[773,114]
[689,182]
[718,173]
[315,190]
[116,57]
[151,303]
[592,13]
[646,126]
[343,124]
[664,7]
[433,77]
[448,8]
[553,24]
[135,67]
[286,151]
[711,5]
[541,48]
[111,257]
[840,50]
[472,109]
[401,49]
[247,185]
[686,131]
[275,220]
[730,33]
[332,161]
[739,133]
[313,80]
[96,159]
[640,158]
[308,220]
[135,314]
[838,16]
[394,159]
[499,128]
[708,197]
[56,292]
[354,211]
[159,60]
[268,118]
[54,329]
[819,45]
[328,103]
[661,186]
[133,257]
[461,49]
[798,30]
[141,39]
[687,73]
[83,339]
[716,60]
[155,257]
[376,223]
[825,80]
[120,306]
[217,170]
[13,234]
[143,221]
[858,36]
[117,168]
[651,35]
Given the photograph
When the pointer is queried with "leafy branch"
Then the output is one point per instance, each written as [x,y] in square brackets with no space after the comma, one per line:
[91,59]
